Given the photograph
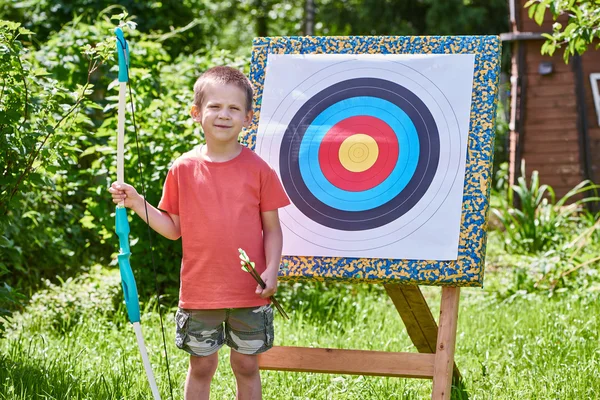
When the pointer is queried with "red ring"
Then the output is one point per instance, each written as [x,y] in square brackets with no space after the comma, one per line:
[329,149]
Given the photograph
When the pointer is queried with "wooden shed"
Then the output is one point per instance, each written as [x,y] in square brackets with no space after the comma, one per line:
[555,107]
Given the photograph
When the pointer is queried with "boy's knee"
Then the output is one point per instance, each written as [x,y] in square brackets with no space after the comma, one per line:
[203,367]
[243,364]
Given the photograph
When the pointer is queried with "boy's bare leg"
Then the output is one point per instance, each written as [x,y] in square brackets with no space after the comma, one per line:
[247,376]
[200,373]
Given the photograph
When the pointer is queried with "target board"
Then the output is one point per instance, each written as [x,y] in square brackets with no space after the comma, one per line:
[384,149]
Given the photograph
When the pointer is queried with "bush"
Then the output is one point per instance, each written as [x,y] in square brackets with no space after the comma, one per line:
[9,300]
[552,245]
[540,221]
[59,308]
[71,139]
[39,119]
[574,264]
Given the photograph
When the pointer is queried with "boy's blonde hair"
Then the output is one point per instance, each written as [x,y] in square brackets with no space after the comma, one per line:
[223,75]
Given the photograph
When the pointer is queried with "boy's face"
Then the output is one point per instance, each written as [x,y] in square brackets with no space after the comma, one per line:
[223,112]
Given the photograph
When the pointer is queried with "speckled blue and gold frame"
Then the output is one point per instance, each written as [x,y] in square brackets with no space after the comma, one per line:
[467,270]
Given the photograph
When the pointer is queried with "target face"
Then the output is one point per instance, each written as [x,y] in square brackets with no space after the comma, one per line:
[350,173]
[371,151]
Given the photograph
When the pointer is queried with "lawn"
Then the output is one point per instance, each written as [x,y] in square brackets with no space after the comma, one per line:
[523,346]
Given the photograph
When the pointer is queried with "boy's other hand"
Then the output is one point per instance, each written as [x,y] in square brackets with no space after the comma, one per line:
[122,192]
[270,279]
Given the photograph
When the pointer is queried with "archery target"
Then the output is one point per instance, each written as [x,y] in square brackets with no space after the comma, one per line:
[371,151]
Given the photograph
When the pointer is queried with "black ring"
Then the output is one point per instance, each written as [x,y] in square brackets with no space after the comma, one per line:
[429,153]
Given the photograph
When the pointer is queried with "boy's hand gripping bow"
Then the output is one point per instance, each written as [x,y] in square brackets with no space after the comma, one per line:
[122,224]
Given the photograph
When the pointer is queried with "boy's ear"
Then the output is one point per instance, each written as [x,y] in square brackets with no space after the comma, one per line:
[248,118]
[195,113]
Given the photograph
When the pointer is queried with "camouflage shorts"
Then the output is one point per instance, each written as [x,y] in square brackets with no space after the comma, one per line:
[246,330]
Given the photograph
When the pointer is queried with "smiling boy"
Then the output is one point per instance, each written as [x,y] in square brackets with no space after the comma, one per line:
[217,198]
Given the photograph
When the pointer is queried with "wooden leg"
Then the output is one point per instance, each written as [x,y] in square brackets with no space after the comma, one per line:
[444,355]
[416,315]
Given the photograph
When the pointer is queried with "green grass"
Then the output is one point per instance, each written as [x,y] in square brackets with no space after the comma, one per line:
[521,347]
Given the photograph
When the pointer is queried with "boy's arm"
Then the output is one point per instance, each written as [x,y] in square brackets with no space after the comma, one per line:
[273,242]
[165,223]
[162,222]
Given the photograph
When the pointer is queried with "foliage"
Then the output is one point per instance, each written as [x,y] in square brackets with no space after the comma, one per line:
[181,20]
[428,17]
[181,27]
[61,112]
[96,345]
[581,29]
[60,307]
[540,220]
[10,300]
[190,25]
[39,117]
[33,108]
[501,147]
[571,265]
[59,195]
[501,179]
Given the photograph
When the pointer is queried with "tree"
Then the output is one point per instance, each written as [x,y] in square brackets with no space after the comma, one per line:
[39,116]
[581,29]
[410,17]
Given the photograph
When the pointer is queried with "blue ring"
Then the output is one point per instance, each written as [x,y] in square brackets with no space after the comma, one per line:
[403,171]
[429,152]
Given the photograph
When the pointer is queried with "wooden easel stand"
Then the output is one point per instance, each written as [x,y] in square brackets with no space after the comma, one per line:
[435,359]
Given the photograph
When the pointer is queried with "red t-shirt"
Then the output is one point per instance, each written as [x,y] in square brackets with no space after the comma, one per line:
[219,205]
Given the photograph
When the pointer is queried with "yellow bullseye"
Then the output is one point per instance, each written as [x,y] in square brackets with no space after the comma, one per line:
[358,152]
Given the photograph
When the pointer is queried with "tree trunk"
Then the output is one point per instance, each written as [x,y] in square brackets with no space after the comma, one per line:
[262,8]
[309,17]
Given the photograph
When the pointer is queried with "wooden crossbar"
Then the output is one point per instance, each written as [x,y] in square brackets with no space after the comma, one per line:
[353,362]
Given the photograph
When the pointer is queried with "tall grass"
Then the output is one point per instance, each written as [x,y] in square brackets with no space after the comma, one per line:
[520,347]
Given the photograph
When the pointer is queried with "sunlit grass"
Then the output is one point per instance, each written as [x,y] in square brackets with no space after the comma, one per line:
[522,347]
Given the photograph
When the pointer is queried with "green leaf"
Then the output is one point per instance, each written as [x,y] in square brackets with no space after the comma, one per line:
[5,242]
[539,14]
[25,4]
[532,7]
[529,3]
[25,31]
[548,48]
[572,26]
[10,24]
[40,72]
[97,149]
[548,36]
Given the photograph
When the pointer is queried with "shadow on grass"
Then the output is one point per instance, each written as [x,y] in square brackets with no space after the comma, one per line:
[459,390]
[319,302]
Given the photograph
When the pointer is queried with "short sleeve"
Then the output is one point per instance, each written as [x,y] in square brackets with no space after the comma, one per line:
[272,195]
[170,197]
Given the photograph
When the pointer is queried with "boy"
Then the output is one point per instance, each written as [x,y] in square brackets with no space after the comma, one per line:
[218,198]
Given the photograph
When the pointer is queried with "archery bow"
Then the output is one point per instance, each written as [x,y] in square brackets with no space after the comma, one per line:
[121,222]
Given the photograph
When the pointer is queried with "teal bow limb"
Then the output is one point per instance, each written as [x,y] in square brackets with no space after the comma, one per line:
[127,280]
[123,54]
[121,221]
